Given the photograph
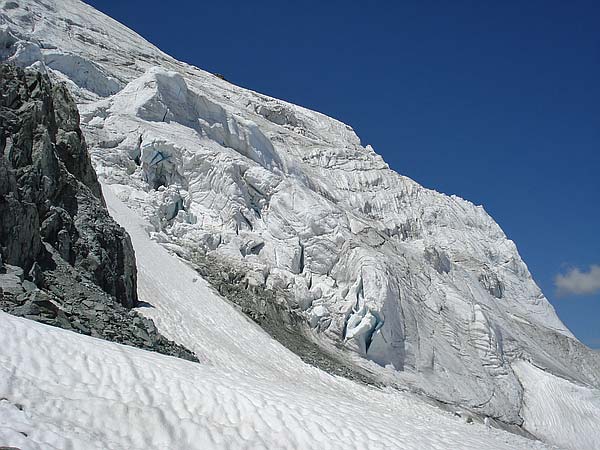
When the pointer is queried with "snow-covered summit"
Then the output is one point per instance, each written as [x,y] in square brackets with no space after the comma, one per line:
[425,287]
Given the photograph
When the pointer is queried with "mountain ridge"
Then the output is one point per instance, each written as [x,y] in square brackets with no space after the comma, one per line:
[425,287]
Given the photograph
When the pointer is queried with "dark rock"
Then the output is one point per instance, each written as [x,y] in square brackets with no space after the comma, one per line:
[54,225]
[11,280]
[28,309]
[81,327]
[49,191]
[29,285]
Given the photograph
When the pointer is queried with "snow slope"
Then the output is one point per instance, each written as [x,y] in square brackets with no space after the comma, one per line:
[190,312]
[425,287]
[63,390]
[60,390]
[549,400]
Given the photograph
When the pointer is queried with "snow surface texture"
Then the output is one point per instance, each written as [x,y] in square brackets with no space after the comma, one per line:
[549,399]
[63,390]
[426,287]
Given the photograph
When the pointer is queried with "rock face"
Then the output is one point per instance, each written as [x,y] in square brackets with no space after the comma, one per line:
[425,287]
[49,190]
[63,259]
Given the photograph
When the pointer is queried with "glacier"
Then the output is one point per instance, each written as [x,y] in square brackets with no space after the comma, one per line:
[421,290]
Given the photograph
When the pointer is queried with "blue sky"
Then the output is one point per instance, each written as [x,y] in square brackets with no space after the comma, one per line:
[498,102]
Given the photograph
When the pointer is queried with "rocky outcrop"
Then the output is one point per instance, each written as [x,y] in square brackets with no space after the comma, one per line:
[49,190]
[71,302]
[63,260]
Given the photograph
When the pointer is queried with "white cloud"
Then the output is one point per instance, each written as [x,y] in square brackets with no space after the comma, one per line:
[576,282]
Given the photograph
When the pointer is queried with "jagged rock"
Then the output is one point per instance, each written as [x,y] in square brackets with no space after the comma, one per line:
[49,191]
[54,226]
[83,307]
